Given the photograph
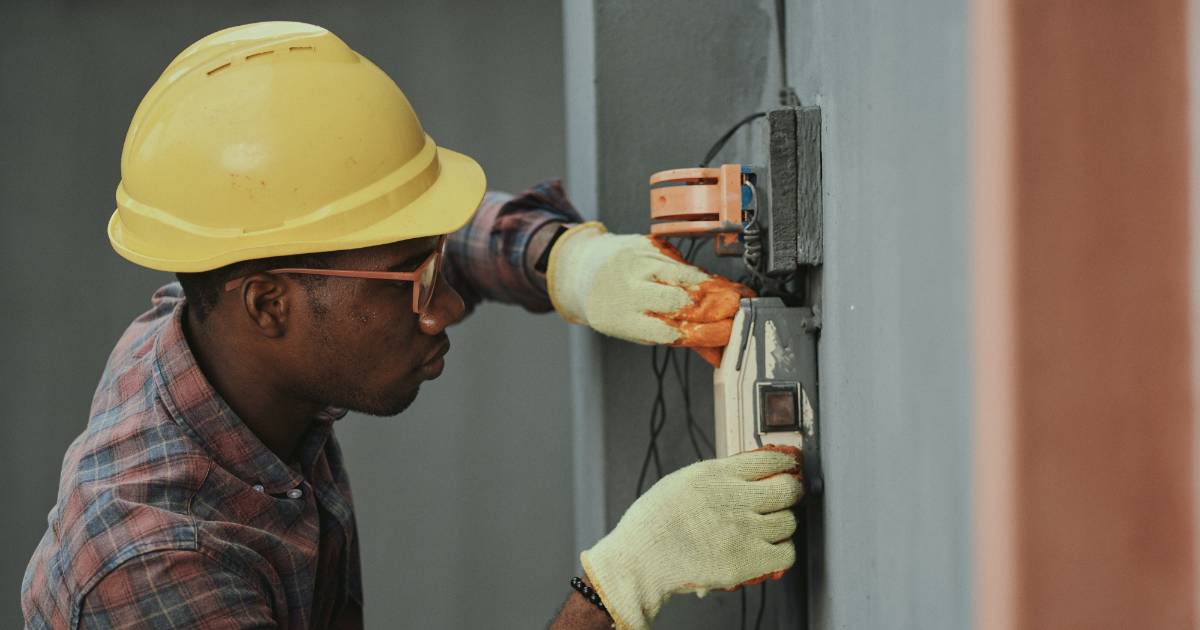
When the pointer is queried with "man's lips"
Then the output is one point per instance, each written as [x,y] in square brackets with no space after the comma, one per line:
[438,352]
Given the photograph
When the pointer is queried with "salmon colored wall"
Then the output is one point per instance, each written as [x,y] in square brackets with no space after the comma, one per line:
[1084,419]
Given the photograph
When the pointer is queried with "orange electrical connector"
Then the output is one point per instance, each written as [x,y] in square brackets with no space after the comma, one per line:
[699,202]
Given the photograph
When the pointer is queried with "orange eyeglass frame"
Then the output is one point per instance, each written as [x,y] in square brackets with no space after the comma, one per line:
[421,299]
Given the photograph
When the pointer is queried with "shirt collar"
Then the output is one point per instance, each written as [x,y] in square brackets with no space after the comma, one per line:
[195,405]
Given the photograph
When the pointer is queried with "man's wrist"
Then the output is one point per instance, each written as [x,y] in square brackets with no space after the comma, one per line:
[577,613]
[537,251]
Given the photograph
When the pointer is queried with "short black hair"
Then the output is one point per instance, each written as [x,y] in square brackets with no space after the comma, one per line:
[203,289]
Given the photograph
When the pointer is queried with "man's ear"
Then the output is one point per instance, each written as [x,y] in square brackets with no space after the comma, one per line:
[267,303]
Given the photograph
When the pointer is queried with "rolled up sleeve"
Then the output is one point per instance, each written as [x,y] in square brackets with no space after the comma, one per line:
[486,259]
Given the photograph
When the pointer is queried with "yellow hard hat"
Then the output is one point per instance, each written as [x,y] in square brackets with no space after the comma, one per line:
[276,138]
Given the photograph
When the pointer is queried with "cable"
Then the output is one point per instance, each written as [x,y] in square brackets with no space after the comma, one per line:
[787,95]
[763,284]
[683,377]
[762,605]
[743,593]
[658,407]
[658,418]
[720,143]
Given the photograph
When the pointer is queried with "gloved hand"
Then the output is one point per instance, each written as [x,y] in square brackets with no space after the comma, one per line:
[716,524]
[640,289]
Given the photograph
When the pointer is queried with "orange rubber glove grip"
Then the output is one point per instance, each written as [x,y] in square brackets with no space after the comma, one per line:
[705,324]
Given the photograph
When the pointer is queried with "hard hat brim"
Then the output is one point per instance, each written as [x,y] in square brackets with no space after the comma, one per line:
[445,207]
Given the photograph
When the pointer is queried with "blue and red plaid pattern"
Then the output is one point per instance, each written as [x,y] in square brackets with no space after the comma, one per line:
[172,514]
[485,260]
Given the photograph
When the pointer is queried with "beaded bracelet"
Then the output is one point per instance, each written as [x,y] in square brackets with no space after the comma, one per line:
[589,594]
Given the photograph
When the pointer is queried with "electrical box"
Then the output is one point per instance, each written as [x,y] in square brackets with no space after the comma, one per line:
[766,386]
[765,390]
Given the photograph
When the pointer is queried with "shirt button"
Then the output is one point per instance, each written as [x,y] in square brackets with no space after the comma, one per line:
[258,487]
[295,493]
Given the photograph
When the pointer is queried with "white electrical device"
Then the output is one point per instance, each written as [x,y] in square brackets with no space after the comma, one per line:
[766,386]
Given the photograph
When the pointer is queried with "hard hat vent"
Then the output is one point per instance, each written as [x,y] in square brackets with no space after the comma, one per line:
[261,53]
[274,139]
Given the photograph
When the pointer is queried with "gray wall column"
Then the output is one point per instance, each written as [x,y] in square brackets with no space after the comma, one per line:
[895,375]
[670,78]
[587,391]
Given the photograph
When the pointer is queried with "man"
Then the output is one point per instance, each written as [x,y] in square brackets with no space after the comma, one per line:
[323,244]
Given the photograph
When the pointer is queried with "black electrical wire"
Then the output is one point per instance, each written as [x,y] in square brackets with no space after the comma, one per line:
[658,408]
[762,605]
[787,96]
[720,143]
[695,434]
[685,384]
[743,592]
[658,417]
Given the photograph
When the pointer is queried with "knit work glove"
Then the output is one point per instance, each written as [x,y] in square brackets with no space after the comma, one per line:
[640,289]
[716,524]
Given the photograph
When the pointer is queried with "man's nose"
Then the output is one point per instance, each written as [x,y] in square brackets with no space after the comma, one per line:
[445,308]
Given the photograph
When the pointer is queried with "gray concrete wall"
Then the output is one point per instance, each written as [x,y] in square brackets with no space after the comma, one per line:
[474,481]
[670,78]
[891,78]
[892,82]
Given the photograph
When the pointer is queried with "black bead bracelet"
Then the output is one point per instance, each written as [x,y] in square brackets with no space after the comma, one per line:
[589,594]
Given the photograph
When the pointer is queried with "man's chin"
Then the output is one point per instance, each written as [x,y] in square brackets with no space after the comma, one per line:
[388,408]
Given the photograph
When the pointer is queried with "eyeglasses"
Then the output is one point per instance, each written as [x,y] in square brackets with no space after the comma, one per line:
[424,277]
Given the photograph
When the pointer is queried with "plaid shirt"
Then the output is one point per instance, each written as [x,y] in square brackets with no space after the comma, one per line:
[485,259]
[172,514]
